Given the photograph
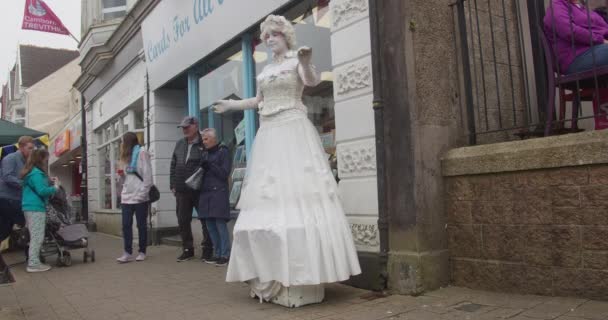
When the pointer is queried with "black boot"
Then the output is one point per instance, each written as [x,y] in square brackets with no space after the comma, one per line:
[186,255]
[207,253]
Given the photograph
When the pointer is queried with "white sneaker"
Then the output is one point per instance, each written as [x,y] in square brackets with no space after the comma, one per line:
[125,258]
[38,268]
[141,257]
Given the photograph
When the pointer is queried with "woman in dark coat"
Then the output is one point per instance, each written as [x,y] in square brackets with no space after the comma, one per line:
[214,203]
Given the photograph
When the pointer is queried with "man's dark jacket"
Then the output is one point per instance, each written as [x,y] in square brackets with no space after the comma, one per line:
[182,170]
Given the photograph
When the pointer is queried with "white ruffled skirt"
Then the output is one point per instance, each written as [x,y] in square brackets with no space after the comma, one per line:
[291,229]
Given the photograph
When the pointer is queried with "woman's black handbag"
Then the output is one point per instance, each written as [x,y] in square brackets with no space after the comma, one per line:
[153,194]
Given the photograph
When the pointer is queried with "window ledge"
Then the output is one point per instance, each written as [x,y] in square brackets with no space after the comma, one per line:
[586,148]
[106,211]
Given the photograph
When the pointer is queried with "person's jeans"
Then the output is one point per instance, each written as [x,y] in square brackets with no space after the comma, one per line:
[36,225]
[10,214]
[141,215]
[186,202]
[585,61]
[218,230]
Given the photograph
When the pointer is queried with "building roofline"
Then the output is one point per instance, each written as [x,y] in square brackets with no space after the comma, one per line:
[125,31]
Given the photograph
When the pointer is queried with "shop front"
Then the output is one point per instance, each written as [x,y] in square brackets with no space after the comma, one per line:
[64,162]
[118,110]
[204,51]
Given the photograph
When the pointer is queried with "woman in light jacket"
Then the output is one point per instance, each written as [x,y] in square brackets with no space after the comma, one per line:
[36,194]
[135,174]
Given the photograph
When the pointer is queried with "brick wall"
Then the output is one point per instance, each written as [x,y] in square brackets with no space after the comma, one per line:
[537,232]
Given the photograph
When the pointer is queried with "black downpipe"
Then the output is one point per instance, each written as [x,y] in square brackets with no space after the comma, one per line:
[83,163]
[378,105]
[466,68]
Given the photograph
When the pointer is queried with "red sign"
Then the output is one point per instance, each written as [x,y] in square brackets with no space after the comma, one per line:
[38,16]
[62,143]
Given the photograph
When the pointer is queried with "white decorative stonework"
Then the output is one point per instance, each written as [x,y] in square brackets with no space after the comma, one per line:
[357,159]
[348,11]
[365,234]
[353,77]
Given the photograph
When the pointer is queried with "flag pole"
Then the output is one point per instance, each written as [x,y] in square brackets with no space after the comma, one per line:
[77,42]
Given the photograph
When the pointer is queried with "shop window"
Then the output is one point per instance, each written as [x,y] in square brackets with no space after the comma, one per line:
[106,183]
[115,164]
[312,25]
[109,157]
[124,123]
[113,9]
[139,118]
[223,82]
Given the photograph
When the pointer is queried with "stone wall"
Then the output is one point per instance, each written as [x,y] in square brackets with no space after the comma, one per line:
[536,231]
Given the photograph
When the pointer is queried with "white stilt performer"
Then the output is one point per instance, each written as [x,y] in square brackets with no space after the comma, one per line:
[291,236]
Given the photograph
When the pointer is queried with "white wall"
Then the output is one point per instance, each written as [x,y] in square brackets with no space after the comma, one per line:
[355,135]
[48,101]
[65,176]
[92,166]
[167,108]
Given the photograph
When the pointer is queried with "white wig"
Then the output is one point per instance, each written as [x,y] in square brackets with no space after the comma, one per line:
[210,132]
[279,24]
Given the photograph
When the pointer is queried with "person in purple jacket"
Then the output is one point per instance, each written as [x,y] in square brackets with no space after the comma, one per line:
[577,35]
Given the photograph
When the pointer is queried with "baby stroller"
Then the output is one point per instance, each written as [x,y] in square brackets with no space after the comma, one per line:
[62,234]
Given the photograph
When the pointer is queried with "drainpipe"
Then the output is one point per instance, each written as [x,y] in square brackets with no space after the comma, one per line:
[148,144]
[83,162]
[378,105]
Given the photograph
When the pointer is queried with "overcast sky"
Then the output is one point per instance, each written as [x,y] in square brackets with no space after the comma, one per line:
[11,17]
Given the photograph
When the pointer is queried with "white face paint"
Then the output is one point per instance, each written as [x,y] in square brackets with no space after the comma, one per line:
[276,42]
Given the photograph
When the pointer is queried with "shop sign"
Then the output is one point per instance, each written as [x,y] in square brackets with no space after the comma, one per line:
[177,34]
[62,143]
[75,133]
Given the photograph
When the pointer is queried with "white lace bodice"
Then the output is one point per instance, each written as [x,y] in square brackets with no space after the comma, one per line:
[281,87]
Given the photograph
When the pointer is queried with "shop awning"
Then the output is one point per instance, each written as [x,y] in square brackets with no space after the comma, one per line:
[10,132]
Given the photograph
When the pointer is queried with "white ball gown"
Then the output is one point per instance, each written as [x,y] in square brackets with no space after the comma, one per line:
[291,230]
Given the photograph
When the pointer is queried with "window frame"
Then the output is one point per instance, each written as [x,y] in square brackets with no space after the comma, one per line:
[112,9]
[15,118]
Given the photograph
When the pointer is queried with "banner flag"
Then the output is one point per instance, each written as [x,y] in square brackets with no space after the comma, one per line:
[39,17]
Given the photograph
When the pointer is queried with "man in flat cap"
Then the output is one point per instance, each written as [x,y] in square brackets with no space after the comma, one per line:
[185,161]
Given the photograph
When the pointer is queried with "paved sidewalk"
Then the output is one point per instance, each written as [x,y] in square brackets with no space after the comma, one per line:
[160,288]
